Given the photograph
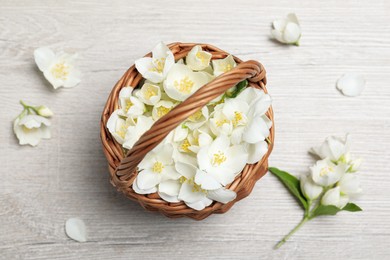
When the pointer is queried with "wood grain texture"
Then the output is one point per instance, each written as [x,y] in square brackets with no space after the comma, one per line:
[67,176]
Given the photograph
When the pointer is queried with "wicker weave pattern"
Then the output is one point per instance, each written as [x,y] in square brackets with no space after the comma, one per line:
[123,168]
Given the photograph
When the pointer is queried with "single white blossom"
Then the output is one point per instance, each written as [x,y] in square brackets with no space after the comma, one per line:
[156,68]
[30,129]
[221,66]
[309,189]
[219,163]
[150,94]
[197,59]
[117,126]
[351,84]
[326,173]
[135,129]
[335,198]
[333,148]
[182,82]
[197,119]
[156,168]
[162,108]
[193,195]
[131,106]
[287,30]
[59,69]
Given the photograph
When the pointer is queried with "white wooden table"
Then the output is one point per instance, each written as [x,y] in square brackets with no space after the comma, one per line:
[67,176]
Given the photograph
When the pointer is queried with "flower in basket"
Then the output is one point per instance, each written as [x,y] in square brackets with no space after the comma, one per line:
[198,160]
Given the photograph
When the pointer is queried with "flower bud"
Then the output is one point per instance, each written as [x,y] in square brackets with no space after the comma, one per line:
[44,111]
[309,189]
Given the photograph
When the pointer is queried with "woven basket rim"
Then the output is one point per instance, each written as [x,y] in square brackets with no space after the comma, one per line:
[119,164]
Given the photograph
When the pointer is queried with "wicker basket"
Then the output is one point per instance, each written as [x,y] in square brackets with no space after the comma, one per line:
[123,167]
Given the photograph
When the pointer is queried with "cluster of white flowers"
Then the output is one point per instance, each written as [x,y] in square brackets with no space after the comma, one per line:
[205,153]
[334,174]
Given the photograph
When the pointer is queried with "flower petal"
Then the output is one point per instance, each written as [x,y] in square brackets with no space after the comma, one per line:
[147,179]
[141,191]
[44,57]
[222,195]
[76,230]
[206,181]
[256,131]
[200,205]
[256,151]
[169,187]
[185,169]
[292,33]
[351,84]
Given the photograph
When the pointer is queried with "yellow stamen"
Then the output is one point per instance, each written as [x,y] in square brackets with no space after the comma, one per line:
[129,104]
[60,71]
[219,123]
[195,117]
[185,85]
[226,67]
[158,65]
[200,56]
[162,111]
[237,118]
[325,171]
[219,158]
[150,92]
[184,146]
[157,167]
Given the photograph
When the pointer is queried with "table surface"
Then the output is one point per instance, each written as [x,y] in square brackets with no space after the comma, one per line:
[67,176]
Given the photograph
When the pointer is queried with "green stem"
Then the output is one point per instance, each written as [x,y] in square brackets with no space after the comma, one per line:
[303,221]
[27,107]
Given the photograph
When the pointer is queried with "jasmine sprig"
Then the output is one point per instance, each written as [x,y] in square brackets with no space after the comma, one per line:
[39,110]
[328,188]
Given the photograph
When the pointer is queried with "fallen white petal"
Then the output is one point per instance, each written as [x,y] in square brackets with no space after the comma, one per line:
[75,229]
[351,84]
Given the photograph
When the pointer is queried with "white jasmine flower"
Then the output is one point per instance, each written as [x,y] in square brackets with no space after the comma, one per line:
[221,66]
[182,82]
[30,129]
[150,94]
[117,126]
[334,197]
[351,84]
[326,173]
[287,30]
[59,69]
[131,106]
[193,195]
[135,129]
[309,189]
[219,163]
[156,168]
[333,148]
[197,119]
[349,184]
[156,68]
[76,230]
[194,141]
[162,108]
[197,59]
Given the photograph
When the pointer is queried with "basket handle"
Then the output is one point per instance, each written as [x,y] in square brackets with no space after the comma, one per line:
[125,172]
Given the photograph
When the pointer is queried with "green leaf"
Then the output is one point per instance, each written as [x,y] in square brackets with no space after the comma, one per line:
[291,183]
[325,210]
[237,89]
[352,207]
